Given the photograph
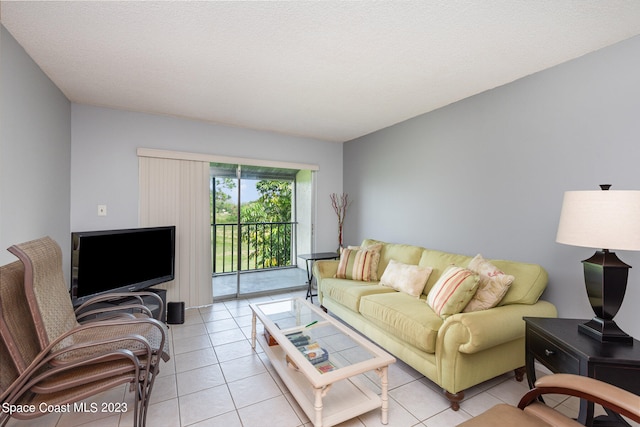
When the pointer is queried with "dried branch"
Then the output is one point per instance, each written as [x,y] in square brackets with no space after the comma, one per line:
[340,205]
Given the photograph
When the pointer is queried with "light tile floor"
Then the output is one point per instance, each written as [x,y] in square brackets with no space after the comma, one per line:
[214,378]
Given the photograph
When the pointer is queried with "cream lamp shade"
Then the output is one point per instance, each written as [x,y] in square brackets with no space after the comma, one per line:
[600,219]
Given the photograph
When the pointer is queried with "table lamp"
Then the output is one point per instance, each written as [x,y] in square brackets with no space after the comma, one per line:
[606,220]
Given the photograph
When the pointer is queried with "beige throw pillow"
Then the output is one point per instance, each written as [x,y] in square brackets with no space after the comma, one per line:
[453,291]
[410,279]
[493,286]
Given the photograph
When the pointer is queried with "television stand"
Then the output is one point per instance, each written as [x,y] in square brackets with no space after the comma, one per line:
[148,301]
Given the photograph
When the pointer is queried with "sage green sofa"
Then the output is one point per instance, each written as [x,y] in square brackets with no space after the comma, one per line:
[456,352]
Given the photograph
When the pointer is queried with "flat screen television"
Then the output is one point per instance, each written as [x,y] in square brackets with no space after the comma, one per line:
[120,260]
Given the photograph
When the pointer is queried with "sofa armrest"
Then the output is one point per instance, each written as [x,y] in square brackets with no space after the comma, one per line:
[480,330]
[325,268]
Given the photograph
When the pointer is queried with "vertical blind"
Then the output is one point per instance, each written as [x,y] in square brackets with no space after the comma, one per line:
[176,192]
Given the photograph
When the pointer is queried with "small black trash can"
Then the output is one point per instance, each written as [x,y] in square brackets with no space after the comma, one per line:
[175,313]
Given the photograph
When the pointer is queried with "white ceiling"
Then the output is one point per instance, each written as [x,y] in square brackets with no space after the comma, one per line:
[330,70]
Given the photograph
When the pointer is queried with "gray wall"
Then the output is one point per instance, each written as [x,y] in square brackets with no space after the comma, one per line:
[35,146]
[487,174]
[104,166]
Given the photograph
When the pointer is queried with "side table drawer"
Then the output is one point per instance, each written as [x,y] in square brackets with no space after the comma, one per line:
[552,356]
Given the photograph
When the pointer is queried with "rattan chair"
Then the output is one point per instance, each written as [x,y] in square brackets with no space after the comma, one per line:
[531,412]
[26,376]
[58,329]
[51,307]
[118,305]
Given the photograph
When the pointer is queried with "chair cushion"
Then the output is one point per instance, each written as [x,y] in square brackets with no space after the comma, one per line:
[505,415]
[549,415]
[348,292]
[403,316]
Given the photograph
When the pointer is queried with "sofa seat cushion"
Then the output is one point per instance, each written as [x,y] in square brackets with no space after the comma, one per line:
[403,316]
[348,292]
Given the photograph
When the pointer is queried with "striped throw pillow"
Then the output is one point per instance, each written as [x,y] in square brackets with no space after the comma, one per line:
[453,291]
[359,264]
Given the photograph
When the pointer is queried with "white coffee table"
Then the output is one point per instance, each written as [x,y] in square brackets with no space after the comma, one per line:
[335,394]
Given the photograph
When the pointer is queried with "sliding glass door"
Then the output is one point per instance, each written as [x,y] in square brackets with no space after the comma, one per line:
[256,228]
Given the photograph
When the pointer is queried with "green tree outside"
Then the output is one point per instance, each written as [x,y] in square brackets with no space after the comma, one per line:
[265,244]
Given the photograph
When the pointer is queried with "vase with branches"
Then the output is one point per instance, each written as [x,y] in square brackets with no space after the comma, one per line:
[340,204]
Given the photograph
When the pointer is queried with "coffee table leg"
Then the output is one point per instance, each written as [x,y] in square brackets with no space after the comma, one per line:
[253,330]
[318,392]
[384,385]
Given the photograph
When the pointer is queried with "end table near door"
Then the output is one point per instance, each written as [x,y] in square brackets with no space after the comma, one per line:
[557,344]
[309,259]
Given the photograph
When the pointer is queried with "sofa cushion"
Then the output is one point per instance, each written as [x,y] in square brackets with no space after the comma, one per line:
[529,283]
[493,285]
[406,278]
[439,261]
[359,264]
[348,292]
[403,316]
[406,254]
[453,291]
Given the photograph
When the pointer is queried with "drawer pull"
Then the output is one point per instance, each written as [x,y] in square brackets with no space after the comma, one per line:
[549,352]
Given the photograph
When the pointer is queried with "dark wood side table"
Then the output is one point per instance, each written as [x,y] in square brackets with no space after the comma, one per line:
[557,344]
[309,258]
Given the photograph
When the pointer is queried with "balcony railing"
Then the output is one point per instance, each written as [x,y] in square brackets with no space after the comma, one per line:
[263,245]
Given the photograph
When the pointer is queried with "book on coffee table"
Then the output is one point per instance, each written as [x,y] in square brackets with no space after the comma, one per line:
[314,353]
[298,339]
[324,367]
